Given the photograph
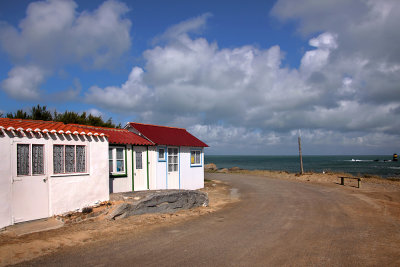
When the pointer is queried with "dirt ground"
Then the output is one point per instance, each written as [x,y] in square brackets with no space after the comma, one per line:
[381,194]
[384,192]
[15,249]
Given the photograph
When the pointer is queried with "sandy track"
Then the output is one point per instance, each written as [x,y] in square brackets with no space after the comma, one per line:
[278,222]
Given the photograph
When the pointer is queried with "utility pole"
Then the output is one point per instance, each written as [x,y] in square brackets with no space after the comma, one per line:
[301,157]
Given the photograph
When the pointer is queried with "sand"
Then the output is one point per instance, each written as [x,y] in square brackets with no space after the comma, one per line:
[15,249]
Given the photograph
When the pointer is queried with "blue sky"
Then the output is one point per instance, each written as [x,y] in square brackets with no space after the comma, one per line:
[245,77]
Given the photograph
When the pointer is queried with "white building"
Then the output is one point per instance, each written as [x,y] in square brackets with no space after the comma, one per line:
[49,168]
[176,160]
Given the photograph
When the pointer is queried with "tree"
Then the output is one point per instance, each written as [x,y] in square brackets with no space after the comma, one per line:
[41,113]
[20,114]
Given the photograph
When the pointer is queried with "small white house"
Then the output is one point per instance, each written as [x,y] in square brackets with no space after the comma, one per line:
[49,168]
[176,158]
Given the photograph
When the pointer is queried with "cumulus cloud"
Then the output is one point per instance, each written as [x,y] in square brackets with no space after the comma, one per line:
[342,94]
[23,82]
[54,34]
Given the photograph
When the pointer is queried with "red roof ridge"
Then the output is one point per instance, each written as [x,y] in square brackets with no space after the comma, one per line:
[158,125]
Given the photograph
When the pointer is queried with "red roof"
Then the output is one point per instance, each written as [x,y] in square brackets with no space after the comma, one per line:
[119,136]
[51,127]
[163,135]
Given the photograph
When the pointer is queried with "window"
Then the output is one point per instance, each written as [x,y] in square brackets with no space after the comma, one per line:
[116,160]
[195,158]
[37,159]
[172,159]
[161,154]
[30,159]
[69,159]
[139,160]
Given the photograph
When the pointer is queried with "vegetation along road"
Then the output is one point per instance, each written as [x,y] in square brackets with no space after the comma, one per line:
[277,222]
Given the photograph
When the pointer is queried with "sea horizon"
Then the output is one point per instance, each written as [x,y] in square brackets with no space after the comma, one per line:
[380,165]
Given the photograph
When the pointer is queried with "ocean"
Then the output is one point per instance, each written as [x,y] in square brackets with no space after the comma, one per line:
[356,165]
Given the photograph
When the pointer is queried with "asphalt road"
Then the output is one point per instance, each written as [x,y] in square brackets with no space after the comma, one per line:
[277,223]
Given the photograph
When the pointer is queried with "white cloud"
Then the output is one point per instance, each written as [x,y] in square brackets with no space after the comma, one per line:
[131,96]
[187,26]
[24,82]
[244,96]
[95,112]
[53,34]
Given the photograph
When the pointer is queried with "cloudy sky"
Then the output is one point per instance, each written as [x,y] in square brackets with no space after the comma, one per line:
[246,77]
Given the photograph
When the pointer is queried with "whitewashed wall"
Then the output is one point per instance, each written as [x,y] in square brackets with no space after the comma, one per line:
[66,192]
[5,180]
[191,177]
[71,192]
[123,184]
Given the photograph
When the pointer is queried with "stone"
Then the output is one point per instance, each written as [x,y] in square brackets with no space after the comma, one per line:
[224,170]
[234,169]
[167,201]
[210,167]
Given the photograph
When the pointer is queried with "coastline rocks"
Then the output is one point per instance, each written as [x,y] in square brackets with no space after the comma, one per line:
[234,169]
[167,201]
[210,167]
[224,170]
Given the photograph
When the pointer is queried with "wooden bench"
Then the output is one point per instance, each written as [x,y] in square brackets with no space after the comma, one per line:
[354,178]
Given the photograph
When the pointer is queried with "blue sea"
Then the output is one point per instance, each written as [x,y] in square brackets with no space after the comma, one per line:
[356,165]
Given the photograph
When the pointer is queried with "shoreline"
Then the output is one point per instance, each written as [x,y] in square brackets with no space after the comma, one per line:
[325,177]
[357,165]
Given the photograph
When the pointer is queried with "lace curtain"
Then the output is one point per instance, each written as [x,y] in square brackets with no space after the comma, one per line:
[69,159]
[80,159]
[22,159]
[58,159]
[37,159]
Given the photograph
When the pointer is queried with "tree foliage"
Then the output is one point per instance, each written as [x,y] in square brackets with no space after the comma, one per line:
[41,113]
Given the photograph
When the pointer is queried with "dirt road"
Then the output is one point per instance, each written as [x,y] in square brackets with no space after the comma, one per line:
[278,222]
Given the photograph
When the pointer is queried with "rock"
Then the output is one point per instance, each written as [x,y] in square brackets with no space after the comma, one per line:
[224,170]
[160,202]
[234,169]
[210,167]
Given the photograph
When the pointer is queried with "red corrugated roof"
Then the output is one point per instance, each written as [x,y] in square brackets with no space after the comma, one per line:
[50,127]
[119,136]
[163,135]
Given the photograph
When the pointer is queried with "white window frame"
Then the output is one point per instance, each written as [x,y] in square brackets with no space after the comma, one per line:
[75,163]
[173,166]
[30,161]
[164,158]
[114,161]
[199,153]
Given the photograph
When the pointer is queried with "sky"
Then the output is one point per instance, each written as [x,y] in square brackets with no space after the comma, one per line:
[246,77]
